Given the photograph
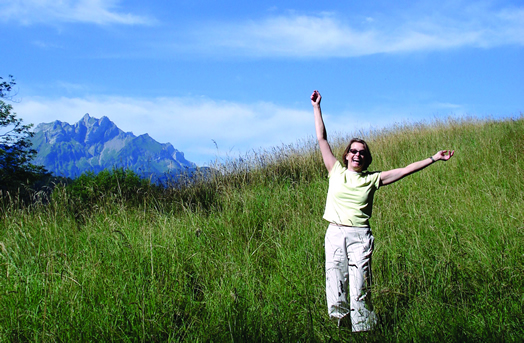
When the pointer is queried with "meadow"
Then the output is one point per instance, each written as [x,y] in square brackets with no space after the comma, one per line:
[239,257]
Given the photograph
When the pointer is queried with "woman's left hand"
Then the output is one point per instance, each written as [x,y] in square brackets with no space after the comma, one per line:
[443,155]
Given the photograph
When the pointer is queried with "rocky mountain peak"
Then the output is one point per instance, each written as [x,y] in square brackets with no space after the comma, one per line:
[94,144]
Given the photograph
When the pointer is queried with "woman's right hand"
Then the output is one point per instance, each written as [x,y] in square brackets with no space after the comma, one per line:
[315,98]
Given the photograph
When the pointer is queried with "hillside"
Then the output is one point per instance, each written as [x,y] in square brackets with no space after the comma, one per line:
[240,256]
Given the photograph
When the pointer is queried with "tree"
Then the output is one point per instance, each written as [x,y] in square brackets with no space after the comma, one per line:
[16,171]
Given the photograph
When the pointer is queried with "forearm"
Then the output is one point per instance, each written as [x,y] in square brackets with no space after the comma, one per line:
[325,149]
[416,166]
[319,124]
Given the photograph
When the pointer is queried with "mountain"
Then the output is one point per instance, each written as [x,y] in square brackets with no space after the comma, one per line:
[97,144]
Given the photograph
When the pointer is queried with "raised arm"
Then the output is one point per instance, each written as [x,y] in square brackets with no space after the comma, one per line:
[390,176]
[325,149]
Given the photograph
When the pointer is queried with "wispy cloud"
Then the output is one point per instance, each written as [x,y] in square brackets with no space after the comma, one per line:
[46,45]
[193,125]
[190,124]
[99,12]
[332,35]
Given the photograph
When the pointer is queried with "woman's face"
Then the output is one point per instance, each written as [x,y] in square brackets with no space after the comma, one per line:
[356,157]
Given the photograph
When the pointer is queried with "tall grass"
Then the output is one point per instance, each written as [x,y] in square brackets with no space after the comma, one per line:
[239,256]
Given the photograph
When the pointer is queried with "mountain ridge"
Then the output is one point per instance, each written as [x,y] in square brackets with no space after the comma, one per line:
[93,144]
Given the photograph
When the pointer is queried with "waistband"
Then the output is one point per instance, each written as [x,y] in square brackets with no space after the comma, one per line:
[350,227]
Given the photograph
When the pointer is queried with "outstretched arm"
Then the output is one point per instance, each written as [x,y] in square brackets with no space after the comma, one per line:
[390,176]
[325,149]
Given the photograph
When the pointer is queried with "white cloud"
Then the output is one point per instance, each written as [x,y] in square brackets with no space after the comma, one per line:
[46,45]
[193,125]
[331,35]
[100,12]
[190,124]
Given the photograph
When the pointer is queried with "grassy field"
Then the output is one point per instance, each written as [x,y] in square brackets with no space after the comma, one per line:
[240,257]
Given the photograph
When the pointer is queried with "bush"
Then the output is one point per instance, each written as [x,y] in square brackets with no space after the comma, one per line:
[121,185]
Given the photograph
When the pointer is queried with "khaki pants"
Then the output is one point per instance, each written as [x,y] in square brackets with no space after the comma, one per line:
[348,266]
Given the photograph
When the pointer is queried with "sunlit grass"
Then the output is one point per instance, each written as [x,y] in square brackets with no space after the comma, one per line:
[239,256]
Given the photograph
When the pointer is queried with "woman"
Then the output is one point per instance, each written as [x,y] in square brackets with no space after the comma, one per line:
[349,241]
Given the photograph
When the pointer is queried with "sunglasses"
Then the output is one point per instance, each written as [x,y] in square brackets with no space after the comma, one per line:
[361,152]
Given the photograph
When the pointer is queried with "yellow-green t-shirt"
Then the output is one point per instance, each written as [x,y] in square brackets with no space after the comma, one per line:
[350,196]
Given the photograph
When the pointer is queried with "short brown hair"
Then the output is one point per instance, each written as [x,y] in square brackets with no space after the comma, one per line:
[367,160]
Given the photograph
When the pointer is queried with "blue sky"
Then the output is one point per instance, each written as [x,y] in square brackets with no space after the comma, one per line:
[240,74]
